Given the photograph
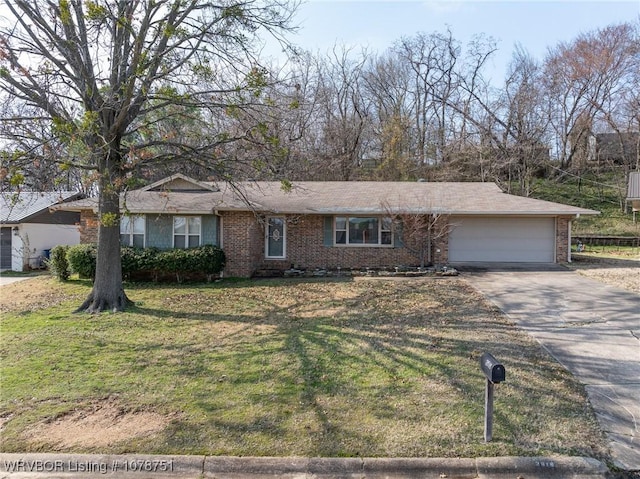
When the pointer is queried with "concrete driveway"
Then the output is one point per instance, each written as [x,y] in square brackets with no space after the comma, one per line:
[12,279]
[590,328]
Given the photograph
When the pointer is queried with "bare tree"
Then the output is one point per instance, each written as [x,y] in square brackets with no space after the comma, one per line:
[584,77]
[386,86]
[98,77]
[526,120]
[343,113]
[420,232]
[432,60]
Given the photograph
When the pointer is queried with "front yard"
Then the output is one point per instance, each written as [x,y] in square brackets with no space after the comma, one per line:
[616,266]
[359,367]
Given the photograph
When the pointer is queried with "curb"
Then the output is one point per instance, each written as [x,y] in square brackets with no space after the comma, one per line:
[89,466]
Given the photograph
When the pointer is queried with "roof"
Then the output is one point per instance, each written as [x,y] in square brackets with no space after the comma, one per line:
[633,191]
[330,198]
[19,207]
[371,197]
[180,182]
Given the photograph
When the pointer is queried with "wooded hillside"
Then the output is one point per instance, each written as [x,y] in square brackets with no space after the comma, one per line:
[563,127]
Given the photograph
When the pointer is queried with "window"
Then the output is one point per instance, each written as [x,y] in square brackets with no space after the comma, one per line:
[132,231]
[385,231]
[372,231]
[186,231]
[275,238]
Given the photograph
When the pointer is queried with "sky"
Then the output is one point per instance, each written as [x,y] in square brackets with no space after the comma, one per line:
[376,24]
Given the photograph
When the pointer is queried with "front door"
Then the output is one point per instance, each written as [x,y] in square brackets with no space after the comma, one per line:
[275,242]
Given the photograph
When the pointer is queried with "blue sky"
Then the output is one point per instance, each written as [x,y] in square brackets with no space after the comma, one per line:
[376,24]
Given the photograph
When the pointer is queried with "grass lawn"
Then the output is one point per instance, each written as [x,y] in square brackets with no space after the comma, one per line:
[611,252]
[366,367]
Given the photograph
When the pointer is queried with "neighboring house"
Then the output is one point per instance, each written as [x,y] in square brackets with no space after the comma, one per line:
[28,229]
[332,225]
[618,148]
[633,192]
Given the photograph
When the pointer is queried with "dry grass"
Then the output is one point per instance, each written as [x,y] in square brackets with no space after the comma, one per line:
[370,367]
[36,293]
[620,268]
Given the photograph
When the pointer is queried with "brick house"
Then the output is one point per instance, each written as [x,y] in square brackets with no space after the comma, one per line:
[331,225]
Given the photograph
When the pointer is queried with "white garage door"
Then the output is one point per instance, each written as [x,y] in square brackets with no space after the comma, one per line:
[521,240]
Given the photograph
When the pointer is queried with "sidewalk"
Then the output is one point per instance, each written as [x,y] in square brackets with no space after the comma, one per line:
[85,466]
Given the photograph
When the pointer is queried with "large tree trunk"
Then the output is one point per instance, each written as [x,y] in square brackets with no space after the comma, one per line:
[107,293]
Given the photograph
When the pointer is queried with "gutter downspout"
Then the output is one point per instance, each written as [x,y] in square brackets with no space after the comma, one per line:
[216,212]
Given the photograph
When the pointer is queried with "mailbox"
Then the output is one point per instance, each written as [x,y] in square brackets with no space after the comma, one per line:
[492,369]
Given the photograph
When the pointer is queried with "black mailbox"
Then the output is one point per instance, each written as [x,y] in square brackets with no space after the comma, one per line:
[492,369]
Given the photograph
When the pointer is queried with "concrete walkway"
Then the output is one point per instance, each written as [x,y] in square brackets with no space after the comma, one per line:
[590,328]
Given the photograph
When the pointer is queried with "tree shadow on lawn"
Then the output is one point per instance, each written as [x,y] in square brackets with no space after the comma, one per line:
[240,283]
[335,385]
[346,408]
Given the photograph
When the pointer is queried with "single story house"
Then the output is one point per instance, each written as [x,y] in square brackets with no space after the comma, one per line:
[28,229]
[330,225]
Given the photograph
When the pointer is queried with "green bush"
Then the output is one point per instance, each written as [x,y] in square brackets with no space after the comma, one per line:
[208,260]
[172,261]
[57,262]
[211,259]
[82,260]
[138,259]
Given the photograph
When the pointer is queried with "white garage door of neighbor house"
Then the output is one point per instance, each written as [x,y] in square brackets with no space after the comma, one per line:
[511,240]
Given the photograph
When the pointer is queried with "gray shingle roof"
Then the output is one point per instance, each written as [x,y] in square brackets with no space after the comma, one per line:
[352,198]
[413,197]
[18,207]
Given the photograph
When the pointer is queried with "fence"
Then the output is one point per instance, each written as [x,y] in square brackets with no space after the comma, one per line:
[597,240]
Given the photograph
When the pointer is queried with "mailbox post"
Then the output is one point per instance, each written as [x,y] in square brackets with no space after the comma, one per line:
[495,373]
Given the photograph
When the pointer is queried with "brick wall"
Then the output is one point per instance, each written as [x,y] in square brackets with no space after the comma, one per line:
[88,227]
[243,243]
[441,241]
[562,239]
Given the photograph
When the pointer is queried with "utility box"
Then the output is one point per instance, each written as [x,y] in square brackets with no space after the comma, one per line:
[492,369]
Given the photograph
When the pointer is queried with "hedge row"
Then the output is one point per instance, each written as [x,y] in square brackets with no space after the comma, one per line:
[154,263]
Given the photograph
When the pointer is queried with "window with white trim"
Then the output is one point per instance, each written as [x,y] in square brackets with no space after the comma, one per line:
[363,231]
[275,241]
[187,231]
[132,230]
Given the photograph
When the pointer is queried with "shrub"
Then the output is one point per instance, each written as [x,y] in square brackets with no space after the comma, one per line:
[82,260]
[138,259]
[211,259]
[204,260]
[174,261]
[208,260]
[129,258]
[57,262]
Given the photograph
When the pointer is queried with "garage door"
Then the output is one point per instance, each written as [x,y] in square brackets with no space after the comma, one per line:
[522,240]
